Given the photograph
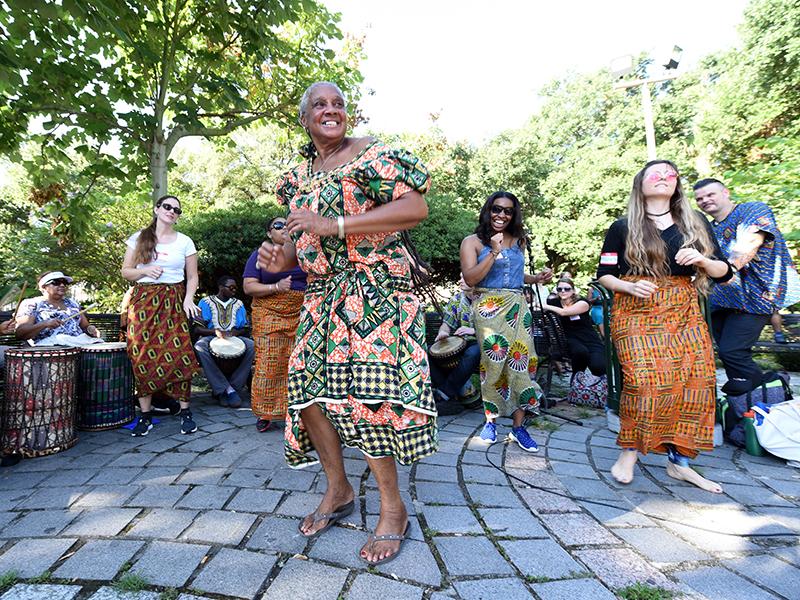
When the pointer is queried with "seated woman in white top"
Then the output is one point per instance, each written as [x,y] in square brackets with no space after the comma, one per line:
[159,344]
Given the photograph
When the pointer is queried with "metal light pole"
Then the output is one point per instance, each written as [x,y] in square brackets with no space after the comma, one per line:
[647,108]
[622,66]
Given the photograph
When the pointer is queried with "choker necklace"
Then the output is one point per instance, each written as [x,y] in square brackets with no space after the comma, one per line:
[657,215]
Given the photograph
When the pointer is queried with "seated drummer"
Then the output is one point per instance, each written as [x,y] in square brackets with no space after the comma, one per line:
[224,316]
[50,319]
[6,327]
[456,320]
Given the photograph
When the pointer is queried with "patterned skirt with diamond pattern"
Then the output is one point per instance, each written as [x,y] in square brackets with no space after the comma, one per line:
[378,401]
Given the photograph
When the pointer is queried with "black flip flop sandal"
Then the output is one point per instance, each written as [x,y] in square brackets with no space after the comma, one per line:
[332,517]
[388,537]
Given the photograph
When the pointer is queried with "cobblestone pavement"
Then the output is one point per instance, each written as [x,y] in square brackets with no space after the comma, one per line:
[215,515]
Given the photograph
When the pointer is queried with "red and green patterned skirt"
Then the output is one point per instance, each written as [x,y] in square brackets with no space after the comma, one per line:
[159,344]
[668,376]
[361,357]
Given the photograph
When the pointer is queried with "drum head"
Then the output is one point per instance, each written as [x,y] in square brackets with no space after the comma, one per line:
[227,347]
[447,346]
[42,351]
[105,347]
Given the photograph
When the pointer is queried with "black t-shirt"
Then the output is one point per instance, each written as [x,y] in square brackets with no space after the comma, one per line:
[612,256]
[573,323]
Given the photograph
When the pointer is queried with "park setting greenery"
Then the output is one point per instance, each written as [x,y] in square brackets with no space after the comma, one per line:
[98,98]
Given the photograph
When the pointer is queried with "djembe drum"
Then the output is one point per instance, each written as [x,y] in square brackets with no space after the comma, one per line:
[447,351]
[37,416]
[106,394]
[227,353]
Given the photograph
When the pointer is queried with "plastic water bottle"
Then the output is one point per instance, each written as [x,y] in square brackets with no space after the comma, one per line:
[612,420]
[718,437]
[752,447]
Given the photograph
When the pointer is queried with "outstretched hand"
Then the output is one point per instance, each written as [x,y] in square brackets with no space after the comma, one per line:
[311,222]
[268,254]
[544,276]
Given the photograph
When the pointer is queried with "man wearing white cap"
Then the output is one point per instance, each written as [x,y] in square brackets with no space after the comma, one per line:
[53,319]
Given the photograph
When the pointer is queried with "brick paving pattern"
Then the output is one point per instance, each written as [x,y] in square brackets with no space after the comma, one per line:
[215,515]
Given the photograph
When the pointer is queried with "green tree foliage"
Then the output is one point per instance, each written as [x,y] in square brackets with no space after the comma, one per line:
[753,92]
[118,83]
[734,117]
[225,238]
[438,238]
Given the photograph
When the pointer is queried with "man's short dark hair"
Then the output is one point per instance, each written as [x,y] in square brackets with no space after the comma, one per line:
[224,279]
[708,181]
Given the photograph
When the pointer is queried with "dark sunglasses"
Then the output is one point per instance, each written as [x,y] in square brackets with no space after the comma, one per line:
[506,210]
[279,225]
[58,282]
[563,289]
[176,209]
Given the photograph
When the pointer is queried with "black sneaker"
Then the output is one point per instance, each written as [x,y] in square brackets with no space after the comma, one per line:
[165,405]
[143,427]
[187,423]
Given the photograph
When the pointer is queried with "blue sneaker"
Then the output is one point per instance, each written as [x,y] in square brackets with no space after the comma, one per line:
[233,399]
[523,439]
[489,433]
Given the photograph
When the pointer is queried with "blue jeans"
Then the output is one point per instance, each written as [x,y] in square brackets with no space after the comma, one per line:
[452,382]
[218,382]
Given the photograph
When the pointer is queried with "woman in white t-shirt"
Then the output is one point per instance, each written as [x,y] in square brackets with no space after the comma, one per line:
[159,344]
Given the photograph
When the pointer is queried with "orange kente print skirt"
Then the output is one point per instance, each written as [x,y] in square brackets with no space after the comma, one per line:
[275,321]
[668,375]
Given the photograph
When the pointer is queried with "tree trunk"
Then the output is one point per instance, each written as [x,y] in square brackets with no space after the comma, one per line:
[158,168]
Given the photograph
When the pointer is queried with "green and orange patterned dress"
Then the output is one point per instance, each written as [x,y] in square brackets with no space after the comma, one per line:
[360,352]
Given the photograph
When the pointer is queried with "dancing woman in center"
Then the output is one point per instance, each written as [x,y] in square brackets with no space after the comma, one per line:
[493,262]
[656,259]
[358,374]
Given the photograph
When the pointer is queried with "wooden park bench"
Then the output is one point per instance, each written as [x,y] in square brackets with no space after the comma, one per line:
[791,328]
[107,324]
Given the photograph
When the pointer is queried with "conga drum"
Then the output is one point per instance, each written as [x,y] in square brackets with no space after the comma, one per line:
[227,353]
[38,414]
[106,394]
[447,351]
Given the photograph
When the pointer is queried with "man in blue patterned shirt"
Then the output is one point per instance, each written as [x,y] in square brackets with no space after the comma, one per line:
[224,316]
[765,279]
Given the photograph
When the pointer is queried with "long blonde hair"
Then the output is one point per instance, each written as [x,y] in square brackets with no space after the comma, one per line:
[645,250]
[145,250]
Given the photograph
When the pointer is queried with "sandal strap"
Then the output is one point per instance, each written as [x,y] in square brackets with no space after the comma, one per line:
[388,537]
[324,516]
[333,515]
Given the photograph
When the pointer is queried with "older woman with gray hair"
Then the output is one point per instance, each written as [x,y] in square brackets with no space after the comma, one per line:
[358,374]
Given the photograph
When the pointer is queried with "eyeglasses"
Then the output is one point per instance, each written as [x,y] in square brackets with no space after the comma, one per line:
[279,225]
[58,282]
[656,176]
[506,210]
[176,209]
[563,289]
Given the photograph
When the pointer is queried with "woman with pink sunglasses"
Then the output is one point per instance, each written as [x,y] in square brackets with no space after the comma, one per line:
[656,260]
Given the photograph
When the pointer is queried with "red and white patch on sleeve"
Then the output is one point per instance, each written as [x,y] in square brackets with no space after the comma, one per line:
[608,258]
